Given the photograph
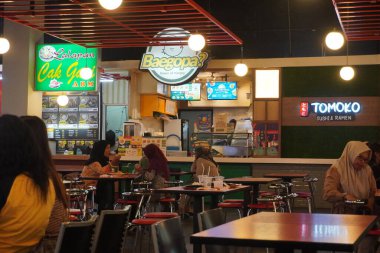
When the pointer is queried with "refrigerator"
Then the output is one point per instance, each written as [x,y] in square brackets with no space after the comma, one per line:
[176,132]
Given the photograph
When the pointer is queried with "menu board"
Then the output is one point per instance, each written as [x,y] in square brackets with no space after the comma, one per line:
[221,90]
[79,119]
[188,91]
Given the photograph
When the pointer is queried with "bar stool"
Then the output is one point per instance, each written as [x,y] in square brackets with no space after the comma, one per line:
[308,195]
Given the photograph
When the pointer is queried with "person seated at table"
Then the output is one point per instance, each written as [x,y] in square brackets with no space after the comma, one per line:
[59,213]
[204,163]
[350,178]
[374,163]
[153,167]
[27,192]
[99,164]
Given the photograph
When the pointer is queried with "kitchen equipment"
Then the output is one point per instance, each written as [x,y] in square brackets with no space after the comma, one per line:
[177,133]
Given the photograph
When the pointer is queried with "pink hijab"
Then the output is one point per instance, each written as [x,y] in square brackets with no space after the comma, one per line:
[354,182]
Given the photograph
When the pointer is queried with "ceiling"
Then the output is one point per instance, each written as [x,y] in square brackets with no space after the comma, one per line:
[359,19]
[136,23]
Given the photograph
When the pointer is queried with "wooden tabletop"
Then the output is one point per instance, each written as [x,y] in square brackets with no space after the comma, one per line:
[209,191]
[180,173]
[112,177]
[286,175]
[251,180]
[294,230]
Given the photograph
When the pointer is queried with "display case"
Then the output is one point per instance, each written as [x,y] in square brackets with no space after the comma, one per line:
[225,144]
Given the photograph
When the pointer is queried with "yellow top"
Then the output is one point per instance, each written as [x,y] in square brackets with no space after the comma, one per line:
[24,217]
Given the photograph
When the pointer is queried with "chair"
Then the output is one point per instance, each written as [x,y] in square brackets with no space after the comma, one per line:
[110,231]
[209,219]
[75,237]
[308,195]
[168,236]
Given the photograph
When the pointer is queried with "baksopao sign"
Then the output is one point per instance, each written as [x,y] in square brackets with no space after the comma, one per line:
[173,65]
[331,111]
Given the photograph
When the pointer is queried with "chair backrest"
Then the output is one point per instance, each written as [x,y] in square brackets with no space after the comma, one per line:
[110,230]
[75,237]
[168,236]
[209,219]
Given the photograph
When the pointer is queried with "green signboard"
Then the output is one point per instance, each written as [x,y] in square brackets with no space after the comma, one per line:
[58,67]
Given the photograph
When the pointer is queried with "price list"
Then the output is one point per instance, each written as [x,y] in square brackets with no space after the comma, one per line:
[70,134]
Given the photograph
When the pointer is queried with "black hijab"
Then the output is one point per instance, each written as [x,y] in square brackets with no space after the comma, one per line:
[97,153]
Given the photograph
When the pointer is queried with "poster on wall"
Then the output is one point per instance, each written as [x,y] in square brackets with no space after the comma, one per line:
[58,67]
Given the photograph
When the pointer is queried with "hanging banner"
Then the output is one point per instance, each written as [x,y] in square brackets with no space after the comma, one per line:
[58,67]
[173,65]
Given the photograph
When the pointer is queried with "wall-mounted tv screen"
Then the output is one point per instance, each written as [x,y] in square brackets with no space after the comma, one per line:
[221,90]
[188,91]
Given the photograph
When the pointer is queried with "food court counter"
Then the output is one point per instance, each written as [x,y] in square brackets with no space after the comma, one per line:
[229,167]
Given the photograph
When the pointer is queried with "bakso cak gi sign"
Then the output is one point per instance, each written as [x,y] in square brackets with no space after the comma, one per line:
[173,65]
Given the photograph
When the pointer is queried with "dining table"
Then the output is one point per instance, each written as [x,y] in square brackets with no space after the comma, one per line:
[289,231]
[254,182]
[109,179]
[286,176]
[200,192]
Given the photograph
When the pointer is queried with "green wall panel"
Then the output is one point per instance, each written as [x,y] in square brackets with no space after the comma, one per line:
[325,82]
[322,142]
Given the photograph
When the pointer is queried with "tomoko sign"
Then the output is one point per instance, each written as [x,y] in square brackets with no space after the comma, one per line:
[58,67]
[173,65]
[330,111]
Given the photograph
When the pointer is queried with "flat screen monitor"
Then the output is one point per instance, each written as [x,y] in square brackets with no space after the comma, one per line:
[221,90]
[188,91]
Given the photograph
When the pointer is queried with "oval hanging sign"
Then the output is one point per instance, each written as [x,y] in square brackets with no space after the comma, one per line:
[173,65]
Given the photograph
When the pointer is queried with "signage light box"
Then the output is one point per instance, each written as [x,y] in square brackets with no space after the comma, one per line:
[221,90]
[188,91]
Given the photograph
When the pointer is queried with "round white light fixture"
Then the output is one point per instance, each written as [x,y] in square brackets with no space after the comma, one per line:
[62,100]
[110,4]
[241,69]
[347,73]
[334,40]
[85,73]
[196,42]
[4,45]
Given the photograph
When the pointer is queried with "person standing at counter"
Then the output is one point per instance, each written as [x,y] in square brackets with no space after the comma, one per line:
[27,192]
[59,213]
[97,165]
[351,178]
[204,163]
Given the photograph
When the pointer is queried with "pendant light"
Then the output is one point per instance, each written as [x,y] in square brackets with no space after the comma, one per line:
[196,42]
[62,100]
[86,73]
[4,45]
[241,68]
[347,72]
[334,40]
[110,4]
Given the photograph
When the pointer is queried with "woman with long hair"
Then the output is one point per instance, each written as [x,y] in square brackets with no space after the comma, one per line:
[59,213]
[204,163]
[99,164]
[27,192]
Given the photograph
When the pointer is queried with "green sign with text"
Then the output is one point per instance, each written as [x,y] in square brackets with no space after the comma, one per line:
[58,67]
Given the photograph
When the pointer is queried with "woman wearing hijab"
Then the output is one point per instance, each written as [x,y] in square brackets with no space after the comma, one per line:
[97,165]
[153,167]
[204,163]
[350,178]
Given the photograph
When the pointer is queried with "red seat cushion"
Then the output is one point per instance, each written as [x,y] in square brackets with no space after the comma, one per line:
[75,211]
[261,206]
[374,231]
[233,201]
[167,200]
[126,202]
[145,221]
[230,205]
[303,194]
[160,215]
